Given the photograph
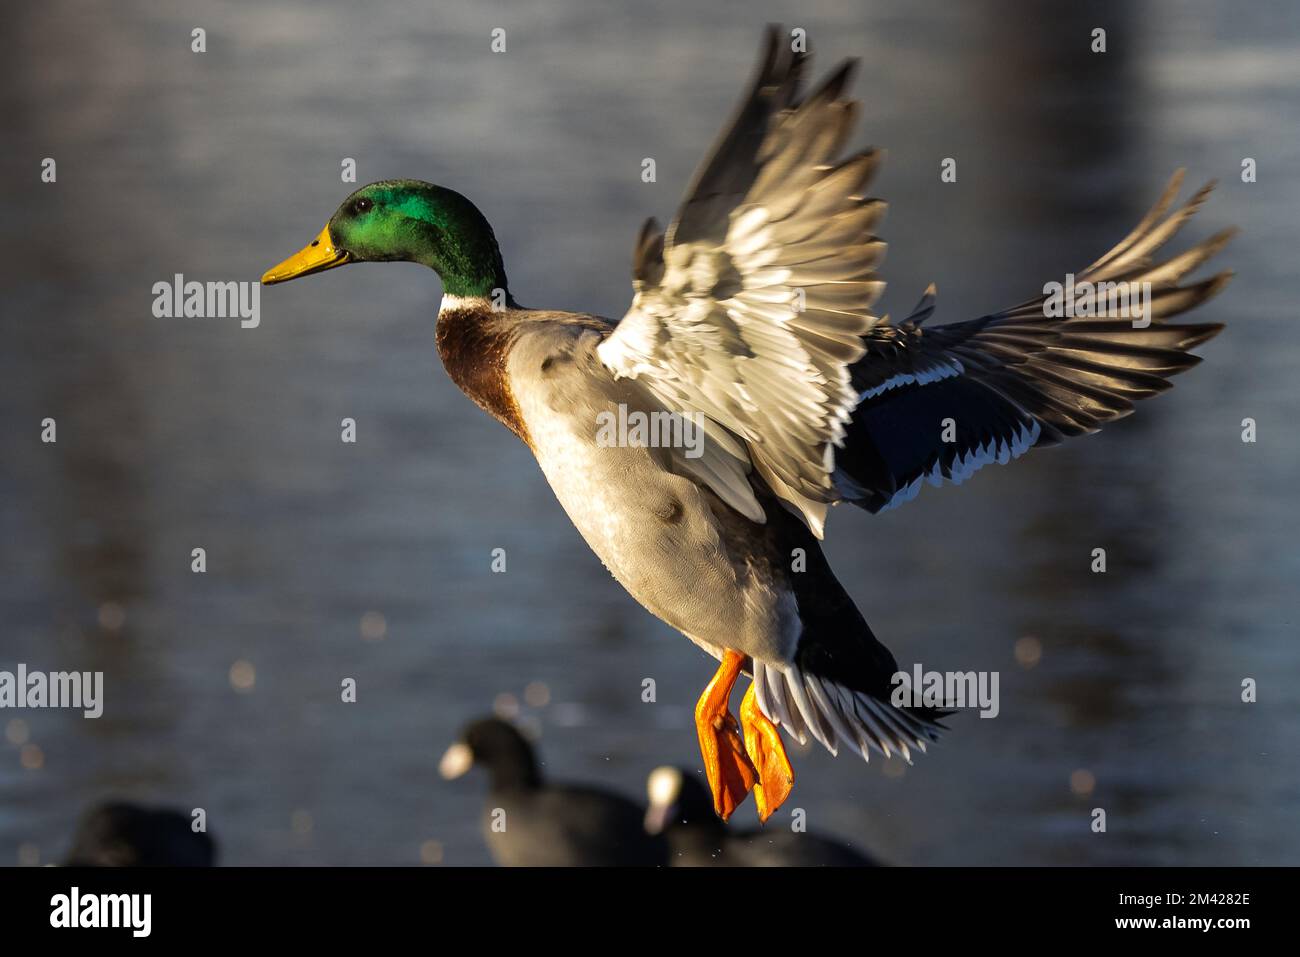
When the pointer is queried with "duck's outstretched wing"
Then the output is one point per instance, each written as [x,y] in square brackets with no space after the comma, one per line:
[751,309]
[938,404]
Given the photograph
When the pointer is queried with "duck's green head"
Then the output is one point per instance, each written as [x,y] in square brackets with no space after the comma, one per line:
[409,221]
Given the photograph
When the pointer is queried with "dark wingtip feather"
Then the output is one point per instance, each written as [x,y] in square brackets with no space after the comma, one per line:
[1206,289]
[1199,334]
[840,80]
[648,228]
[648,253]
[923,309]
[1218,281]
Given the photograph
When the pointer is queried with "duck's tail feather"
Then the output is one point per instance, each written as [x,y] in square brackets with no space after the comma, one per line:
[809,705]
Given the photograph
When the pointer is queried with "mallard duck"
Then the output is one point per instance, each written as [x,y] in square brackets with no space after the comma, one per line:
[528,822]
[681,810]
[751,319]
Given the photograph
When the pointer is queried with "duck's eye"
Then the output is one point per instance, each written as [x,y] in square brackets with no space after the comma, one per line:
[362,206]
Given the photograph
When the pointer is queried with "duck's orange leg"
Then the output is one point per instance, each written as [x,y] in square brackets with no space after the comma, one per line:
[767,753]
[730,774]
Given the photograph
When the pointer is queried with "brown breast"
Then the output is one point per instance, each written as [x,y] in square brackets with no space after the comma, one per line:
[473,344]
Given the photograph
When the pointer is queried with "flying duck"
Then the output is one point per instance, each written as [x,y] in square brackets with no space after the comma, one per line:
[751,322]
[528,822]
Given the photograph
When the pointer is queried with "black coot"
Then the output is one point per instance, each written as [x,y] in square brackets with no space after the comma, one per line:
[682,811]
[529,823]
[118,834]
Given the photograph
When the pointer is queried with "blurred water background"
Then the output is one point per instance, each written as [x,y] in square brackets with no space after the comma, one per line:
[372,561]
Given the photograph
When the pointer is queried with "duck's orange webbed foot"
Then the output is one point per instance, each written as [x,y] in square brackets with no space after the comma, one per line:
[731,776]
[767,754]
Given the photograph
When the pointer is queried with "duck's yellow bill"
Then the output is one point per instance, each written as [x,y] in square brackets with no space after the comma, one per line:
[320,255]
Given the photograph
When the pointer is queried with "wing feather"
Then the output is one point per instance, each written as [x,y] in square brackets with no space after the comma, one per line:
[754,310]
[1019,378]
[757,305]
